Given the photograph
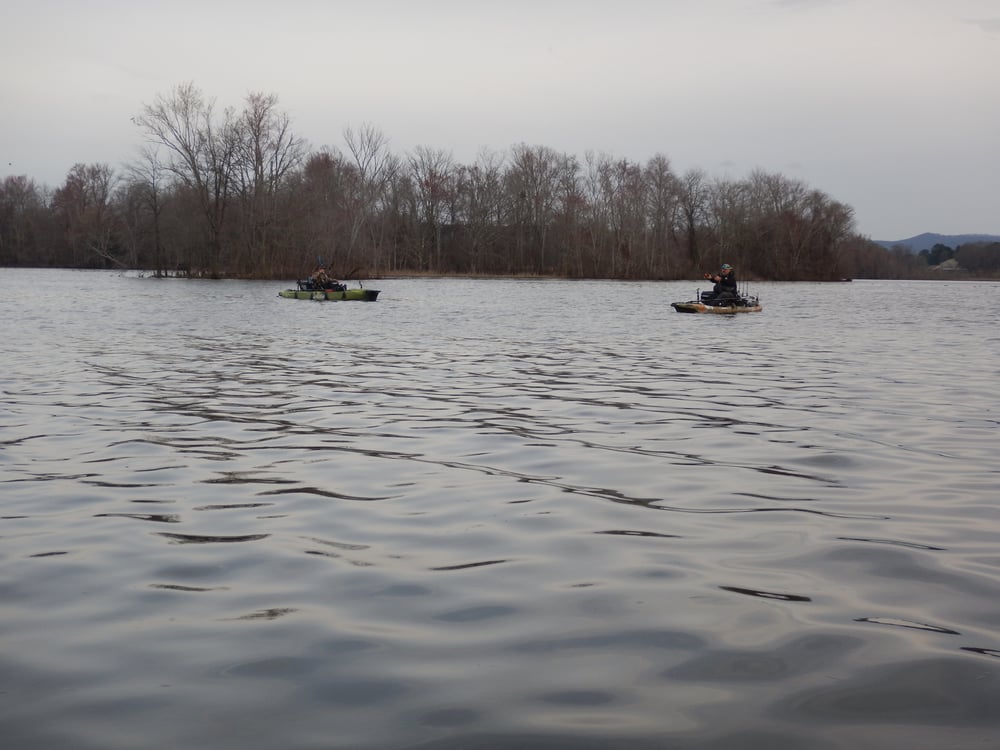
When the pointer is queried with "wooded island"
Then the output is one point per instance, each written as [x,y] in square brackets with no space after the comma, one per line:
[238,194]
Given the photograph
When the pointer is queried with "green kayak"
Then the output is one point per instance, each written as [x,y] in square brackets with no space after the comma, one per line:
[364,295]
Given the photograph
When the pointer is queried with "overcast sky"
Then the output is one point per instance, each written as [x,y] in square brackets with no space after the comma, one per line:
[889,106]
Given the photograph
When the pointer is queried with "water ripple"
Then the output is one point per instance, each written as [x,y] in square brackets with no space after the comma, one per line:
[496,514]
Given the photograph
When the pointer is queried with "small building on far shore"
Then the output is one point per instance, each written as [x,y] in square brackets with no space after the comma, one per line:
[949,265]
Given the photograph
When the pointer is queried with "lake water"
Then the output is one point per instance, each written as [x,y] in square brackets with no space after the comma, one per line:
[497,514]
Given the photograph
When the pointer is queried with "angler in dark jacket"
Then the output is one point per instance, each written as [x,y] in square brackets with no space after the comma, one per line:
[725,284]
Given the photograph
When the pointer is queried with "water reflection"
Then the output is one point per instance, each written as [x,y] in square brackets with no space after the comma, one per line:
[767,594]
[156,517]
[205,539]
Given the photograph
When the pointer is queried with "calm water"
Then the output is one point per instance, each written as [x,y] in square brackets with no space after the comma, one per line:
[497,514]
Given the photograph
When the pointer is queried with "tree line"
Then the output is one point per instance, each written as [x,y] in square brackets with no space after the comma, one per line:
[236,193]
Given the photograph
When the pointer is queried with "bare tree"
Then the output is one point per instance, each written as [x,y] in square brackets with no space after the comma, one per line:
[729,217]
[431,172]
[569,217]
[89,218]
[598,212]
[480,192]
[623,193]
[147,187]
[532,185]
[200,153]
[663,202]
[693,196]
[321,204]
[377,167]
[266,153]
[23,212]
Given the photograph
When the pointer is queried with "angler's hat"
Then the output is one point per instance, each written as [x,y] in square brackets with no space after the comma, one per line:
[726,265]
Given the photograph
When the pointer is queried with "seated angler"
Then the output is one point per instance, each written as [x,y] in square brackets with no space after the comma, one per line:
[725,284]
[320,279]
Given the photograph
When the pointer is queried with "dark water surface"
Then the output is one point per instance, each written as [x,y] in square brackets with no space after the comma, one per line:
[497,514]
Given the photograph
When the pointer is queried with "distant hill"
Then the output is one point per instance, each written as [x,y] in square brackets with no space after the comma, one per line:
[927,240]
